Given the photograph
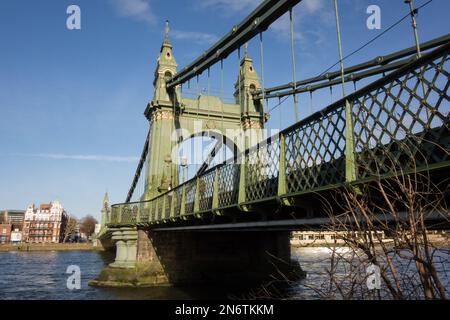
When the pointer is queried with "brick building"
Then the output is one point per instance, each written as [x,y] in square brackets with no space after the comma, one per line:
[45,224]
[13,217]
[5,233]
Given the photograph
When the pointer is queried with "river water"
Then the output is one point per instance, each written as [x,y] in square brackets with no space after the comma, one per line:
[42,275]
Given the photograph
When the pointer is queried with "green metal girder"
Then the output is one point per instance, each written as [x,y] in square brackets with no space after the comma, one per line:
[259,20]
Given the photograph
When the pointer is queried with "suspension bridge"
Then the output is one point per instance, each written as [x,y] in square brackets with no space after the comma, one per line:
[187,231]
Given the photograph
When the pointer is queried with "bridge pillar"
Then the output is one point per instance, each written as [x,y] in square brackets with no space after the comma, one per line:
[199,258]
[126,246]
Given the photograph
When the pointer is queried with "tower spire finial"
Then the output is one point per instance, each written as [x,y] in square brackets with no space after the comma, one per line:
[166,31]
[106,197]
[246,49]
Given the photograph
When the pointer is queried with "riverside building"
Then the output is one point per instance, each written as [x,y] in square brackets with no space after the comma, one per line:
[45,224]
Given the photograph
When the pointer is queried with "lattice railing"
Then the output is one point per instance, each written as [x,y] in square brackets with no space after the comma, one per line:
[228,176]
[178,194]
[115,214]
[206,188]
[315,153]
[191,187]
[154,205]
[167,204]
[144,211]
[127,214]
[399,123]
[404,124]
[261,170]
[160,208]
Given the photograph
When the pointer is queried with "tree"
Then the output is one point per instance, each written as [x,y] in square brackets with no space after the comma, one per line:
[407,263]
[71,228]
[382,248]
[87,225]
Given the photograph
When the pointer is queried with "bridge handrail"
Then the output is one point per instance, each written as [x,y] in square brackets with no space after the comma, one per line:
[175,188]
[338,103]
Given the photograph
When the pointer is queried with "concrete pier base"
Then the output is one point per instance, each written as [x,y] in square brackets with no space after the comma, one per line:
[146,258]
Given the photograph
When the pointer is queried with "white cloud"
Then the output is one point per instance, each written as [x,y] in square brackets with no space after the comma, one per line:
[197,37]
[282,27]
[306,10]
[312,6]
[318,11]
[58,156]
[139,10]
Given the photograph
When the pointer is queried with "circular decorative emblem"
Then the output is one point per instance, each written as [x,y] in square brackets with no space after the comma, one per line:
[210,124]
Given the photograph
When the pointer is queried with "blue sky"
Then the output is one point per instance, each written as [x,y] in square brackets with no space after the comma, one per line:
[72,102]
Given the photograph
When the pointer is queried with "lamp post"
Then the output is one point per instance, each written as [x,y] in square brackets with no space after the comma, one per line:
[184,164]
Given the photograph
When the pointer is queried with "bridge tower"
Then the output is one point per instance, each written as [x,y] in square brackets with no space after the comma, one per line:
[174,119]
[248,82]
[160,113]
[189,257]
[105,210]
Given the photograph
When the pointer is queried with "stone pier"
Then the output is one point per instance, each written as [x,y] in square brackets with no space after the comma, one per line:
[145,258]
[126,248]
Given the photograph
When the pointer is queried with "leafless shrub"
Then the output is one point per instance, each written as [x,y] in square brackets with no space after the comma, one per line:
[402,207]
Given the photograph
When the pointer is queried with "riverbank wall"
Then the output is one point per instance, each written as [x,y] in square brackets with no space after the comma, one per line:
[50,247]
[388,243]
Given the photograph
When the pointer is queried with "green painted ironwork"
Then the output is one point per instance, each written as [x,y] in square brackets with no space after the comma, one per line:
[178,198]
[392,135]
[257,21]
[228,177]
[206,190]
[183,201]
[315,153]
[191,190]
[261,174]
[215,197]
[203,114]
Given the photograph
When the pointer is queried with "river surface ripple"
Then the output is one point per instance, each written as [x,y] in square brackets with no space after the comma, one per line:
[42,275]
